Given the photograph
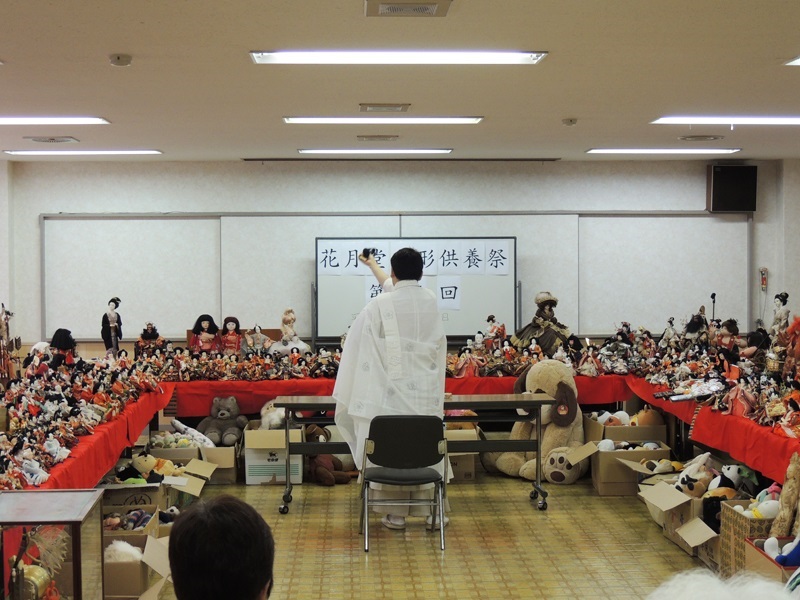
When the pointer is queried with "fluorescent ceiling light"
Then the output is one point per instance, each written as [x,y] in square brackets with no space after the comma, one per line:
[383,120]
[376,151]
[52,121]
[80,152]
[369,57]
[794,63]
[662,150]
[727,121]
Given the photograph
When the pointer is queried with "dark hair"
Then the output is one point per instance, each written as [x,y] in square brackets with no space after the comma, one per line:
[783,297]
[62,340]
[116,301]
[407,264]
[233,320]
[731,325]
[221,548]
[212,327]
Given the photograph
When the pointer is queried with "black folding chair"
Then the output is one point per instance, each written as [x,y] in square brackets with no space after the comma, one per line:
[404,450]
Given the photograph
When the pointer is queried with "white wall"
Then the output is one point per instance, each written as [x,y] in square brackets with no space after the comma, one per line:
[354,187]
[5,233]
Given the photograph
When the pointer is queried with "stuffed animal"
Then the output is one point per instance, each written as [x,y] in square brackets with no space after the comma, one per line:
[324,469]
[647,417]
[730,477]
[562,429]
[782,525]
[465,412]
[768,509]
[165,517]
[788,556]
[225,425]
[272,417]
[119,551]
[136,519]
[142,467]
[191,434]
[695,477]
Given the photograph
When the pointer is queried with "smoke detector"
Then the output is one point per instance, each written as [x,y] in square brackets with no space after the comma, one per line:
[62,139]
[406,8]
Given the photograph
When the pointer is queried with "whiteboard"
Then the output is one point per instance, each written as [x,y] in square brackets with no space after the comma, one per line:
[646,269]
[471,277]
[164,270]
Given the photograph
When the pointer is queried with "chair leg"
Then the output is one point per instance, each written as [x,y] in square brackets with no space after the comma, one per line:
[361,513]
[441,516]
[365,517]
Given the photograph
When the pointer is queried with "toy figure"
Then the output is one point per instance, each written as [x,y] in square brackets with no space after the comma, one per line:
[256,342]
[63,346]
[148,340]
[668,335]
[468,364]
[287,325]
[495,333]
[231,336]
[206,335]
[111,327]
[544,327]
[781,319]
[590,364]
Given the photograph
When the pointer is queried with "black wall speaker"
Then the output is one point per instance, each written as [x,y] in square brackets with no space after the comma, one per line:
[731,188]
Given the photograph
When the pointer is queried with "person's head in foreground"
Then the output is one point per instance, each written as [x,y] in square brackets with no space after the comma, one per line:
[407,264]
[221,548]
[702,584]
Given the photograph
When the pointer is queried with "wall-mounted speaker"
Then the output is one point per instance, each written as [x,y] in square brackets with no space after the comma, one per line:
[731,188]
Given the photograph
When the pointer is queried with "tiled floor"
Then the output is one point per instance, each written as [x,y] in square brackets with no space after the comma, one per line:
[499,545]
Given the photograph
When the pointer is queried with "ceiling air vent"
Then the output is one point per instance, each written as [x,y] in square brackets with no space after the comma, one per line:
[406,8]
[377,138]
[383,107]
[64,139]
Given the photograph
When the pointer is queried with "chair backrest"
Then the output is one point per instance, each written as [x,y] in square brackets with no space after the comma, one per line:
[406,441]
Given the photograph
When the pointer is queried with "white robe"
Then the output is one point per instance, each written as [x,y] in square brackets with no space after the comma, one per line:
[393,363]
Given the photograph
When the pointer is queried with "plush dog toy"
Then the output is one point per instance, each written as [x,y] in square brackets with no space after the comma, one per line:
[562,429]
[324,469]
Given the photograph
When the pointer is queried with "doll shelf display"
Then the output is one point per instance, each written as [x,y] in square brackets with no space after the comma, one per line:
[544,327]
[148,341]
[231,338]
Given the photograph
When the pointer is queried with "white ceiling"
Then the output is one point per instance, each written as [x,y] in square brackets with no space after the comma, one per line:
[193,92]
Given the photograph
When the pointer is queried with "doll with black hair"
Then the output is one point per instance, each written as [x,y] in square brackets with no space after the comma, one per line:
[231,338]
[148,340]
[111,327]
[205,335]
[63,348]
[780,319]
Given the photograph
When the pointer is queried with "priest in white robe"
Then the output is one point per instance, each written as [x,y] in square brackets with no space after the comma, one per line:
[393,363]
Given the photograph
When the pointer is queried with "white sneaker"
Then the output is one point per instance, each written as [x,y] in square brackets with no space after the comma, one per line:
[393,522]
[429,522]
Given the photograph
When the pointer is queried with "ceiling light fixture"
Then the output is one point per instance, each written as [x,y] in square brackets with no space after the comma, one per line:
[375,151]
[794,63]
[370,57]
[81,152]
[382,120]
[52,121]
[663,150]
[689,120]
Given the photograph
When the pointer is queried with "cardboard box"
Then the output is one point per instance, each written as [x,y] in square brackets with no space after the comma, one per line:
[462,464]
[135,536]
[120,494]
[594,432]
[735,528]
[126,579]
[758,561]
[611,476]
[677,509]
[225,459]
[709,553]
[265,456]
[180,456]
[190,485]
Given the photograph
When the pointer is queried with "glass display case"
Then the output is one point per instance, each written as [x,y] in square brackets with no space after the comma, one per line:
[52,544]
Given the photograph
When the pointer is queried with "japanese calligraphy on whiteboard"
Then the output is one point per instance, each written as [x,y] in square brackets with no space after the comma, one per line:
[469,276]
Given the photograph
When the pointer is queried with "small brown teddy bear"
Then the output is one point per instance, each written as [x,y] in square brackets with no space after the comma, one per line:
[324,469]
[225,425]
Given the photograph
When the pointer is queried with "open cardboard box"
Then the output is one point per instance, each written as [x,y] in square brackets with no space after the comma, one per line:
[265,456]
[125,579]
[120,494]
[594,432]
[610,475]
[131,535]
[462,464]
[225,459]
[758,561]
[195,476]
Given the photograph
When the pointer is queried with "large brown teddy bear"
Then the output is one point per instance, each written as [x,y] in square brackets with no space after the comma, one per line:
[562,429]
